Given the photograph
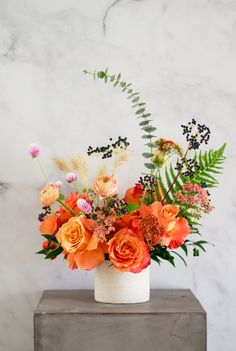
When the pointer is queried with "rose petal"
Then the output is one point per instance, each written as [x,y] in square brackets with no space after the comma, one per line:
[88,260]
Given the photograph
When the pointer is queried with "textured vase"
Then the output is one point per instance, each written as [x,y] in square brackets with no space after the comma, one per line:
[111,286]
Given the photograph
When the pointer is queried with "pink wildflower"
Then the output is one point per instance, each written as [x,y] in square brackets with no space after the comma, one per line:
[84,206]
[71,177]
[34,150]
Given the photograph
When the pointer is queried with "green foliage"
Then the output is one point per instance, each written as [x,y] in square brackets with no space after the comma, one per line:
[162,253]
[210,163]
[132,207]
[138,105]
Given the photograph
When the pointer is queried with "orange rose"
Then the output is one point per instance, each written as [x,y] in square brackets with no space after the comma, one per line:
[128,252]
[49,195]
[82,248]
[105,186]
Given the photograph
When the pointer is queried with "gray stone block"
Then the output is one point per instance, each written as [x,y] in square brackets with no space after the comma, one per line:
[70,320]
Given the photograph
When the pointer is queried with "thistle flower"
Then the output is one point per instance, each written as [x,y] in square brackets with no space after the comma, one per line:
[71,177]
[84,206]
[34,150]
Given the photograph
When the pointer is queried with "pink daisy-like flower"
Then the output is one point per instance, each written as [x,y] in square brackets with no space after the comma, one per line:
[84,206]
[71,177]
[34,150]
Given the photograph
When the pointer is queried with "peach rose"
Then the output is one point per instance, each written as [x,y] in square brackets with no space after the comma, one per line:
[128,252]
[105,186]
[73,235]
[49,194]
[82,248]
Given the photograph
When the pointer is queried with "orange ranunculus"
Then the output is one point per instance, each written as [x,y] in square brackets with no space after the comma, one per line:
[49,194]
[71,202]
[128,252]
[105,186]
[49,225]
[82,247]
[171,230]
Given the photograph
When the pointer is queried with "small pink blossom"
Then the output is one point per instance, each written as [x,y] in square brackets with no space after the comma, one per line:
[58,184]
[84,206]
[71,177]
[34,150]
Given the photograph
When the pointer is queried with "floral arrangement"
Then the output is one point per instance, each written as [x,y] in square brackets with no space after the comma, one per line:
[157,218]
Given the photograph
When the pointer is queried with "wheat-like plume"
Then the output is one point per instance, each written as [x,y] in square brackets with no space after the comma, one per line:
[121,156]
[80,166]
[61,164]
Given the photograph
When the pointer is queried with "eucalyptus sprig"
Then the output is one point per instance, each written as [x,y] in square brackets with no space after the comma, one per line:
[140,110]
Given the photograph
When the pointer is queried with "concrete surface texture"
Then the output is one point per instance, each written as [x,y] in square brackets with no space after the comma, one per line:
[173,320]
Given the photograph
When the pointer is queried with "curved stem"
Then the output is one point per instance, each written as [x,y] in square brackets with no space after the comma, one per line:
[176,177]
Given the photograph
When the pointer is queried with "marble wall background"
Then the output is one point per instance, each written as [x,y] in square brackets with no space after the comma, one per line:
[181,55]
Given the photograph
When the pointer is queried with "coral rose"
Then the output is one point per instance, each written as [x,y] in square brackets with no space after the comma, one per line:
[81,247]
[105,186]
[49,194]
[128,252]
[171,229]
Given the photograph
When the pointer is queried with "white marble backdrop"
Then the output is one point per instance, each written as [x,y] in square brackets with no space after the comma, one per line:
[181,54]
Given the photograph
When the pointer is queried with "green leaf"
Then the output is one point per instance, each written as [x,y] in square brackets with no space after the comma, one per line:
[54,253]
[149,165]
[41,252]
[144,123]
[132,207]
[50,237]
[177,254]
[185,249]
[147,155]
[151,145]
[149,129]
[140,111]
[148,136]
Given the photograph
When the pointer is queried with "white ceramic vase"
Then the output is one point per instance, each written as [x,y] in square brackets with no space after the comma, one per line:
[111,286]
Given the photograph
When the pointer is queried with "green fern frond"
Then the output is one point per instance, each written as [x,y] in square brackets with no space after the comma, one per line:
[210,162]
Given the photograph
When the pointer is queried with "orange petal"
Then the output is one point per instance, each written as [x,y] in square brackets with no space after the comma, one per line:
[145,211]
[70,258]
[156,207]
[93,243]
[49,225]
[88,260]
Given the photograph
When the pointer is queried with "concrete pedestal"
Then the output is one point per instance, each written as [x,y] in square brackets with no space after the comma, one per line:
[70,320]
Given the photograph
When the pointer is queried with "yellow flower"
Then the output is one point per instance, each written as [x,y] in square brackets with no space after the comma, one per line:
[49,194]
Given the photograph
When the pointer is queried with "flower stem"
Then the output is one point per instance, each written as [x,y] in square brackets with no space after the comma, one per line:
[176,177]
[42,169]
[67,207]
